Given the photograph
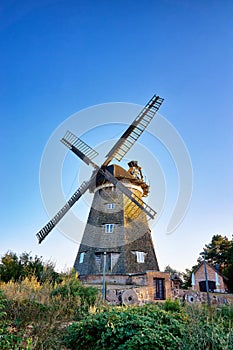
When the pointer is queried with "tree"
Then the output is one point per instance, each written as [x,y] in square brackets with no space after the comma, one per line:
[217,252]
[229,269]
[15,268]
[187,278]
[172,271]
[181,275]
[10,268]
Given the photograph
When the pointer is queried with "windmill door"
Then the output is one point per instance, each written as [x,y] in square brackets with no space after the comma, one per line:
[159,291]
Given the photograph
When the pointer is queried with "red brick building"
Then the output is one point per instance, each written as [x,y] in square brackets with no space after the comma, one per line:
[216,281]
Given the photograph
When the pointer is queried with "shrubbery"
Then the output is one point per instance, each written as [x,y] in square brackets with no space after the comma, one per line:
[35,315]
[147,327]
[163,326]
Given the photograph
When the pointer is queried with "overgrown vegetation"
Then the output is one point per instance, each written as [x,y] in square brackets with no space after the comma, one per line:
[70,316]
[34,315]
[60,313]
[164,326]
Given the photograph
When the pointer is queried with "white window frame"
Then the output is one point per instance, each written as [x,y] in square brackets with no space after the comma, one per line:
[111,206]
[140,257]
[109,228]
[81,257]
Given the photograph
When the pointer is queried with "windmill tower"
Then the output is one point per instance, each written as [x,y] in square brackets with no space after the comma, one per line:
[117,239]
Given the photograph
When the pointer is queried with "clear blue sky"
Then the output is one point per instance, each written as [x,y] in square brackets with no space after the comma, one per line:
[58,57]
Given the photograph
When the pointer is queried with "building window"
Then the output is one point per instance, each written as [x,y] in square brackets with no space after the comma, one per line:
[114,258]
[81,257]
[140,257]
[111,205]
[109,228]
[111,261]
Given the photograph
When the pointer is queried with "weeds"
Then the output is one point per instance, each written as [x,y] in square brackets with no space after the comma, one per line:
[34,315]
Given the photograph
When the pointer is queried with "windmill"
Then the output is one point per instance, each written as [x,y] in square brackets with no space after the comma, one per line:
[117,239]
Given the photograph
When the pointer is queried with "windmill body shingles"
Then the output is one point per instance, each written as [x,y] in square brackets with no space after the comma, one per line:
[130,233]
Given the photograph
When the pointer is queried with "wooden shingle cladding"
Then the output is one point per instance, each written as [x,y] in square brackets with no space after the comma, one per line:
[129,237]
[126,262]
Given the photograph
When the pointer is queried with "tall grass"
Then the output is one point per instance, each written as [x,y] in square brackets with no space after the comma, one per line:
[209,327]
[34,315]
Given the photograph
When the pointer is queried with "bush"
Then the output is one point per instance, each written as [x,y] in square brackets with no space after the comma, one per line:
[144,327]
[76,298]
[8,339]
[163,326]
[170,305]
[36,316]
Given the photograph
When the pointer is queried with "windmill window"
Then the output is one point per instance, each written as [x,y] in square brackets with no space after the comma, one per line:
[114,259]
[109,228]
[140,257]
[81,257]
[111,205]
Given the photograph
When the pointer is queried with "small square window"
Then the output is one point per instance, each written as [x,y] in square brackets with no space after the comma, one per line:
[109,228]
[111,205]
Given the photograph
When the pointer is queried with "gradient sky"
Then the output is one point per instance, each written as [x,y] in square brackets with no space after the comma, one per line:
[59,57]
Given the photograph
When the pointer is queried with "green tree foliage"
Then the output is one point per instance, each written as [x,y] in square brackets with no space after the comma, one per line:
[228,271]
[187,275]
[220,253]
[217,252]
[17,268]
[10,268]
[172,271]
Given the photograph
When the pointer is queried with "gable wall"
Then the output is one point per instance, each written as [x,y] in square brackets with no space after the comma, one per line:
[200,276]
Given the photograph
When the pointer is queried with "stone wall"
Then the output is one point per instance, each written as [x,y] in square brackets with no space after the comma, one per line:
[131,288]
[194,297]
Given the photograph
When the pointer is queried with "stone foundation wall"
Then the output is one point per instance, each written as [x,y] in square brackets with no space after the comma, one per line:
[130,289]
[192,296]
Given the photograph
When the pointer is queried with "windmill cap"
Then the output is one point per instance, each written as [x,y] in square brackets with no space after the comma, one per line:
[133,163]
